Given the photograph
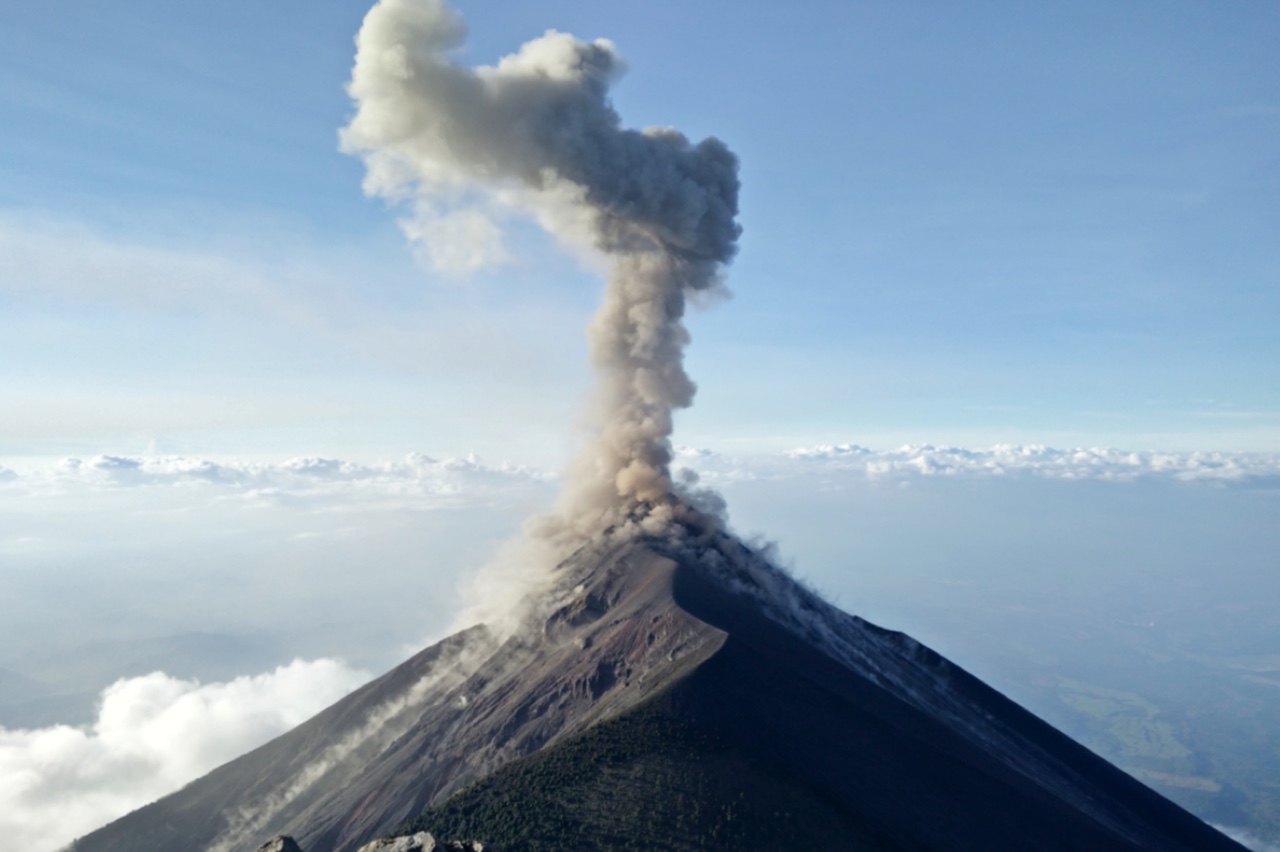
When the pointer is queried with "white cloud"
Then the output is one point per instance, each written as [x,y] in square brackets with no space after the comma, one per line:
[1107,464]
[455,479]
[152,735]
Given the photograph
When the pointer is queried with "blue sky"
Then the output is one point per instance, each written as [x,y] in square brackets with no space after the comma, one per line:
[962,225]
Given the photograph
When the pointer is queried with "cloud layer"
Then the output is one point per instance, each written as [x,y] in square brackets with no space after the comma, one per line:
[471,480]
[152,735]
[462,480]
[1002,460]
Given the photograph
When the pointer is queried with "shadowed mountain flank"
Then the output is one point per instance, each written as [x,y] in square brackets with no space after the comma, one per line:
[677,692]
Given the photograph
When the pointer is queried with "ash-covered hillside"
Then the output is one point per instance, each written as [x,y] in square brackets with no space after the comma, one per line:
[681,694]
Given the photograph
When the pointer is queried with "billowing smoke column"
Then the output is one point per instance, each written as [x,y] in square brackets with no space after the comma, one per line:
[537,132]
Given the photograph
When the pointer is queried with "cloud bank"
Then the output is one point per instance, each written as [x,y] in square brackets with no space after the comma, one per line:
[1002,460]
[306,484]
[467,480]
[425,481]
[152,735]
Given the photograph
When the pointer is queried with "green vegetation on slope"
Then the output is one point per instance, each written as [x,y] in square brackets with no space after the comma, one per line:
[653,778]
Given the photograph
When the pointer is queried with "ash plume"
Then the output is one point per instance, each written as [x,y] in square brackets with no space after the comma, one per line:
[536,133]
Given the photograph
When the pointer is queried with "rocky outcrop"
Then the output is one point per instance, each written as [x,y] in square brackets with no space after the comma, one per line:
[424,842]
[280,843]
[420,842]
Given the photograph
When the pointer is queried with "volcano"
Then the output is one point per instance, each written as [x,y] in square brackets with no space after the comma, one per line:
[672,692]
[666,687]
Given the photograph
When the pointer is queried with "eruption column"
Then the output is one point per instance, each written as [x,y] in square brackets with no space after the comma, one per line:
[537,132]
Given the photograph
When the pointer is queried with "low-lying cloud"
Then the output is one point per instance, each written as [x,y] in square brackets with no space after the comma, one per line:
[464,479]
[471,480]
[152,735]
[1002,460]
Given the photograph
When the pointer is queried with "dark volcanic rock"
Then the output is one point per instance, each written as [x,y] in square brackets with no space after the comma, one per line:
[723,686]
[282,843]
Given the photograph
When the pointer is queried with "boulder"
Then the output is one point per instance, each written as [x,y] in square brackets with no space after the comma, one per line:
[281,843]
[424,842]
[420,842]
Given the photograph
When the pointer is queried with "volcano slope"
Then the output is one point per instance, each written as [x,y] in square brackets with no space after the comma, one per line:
[678,693]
